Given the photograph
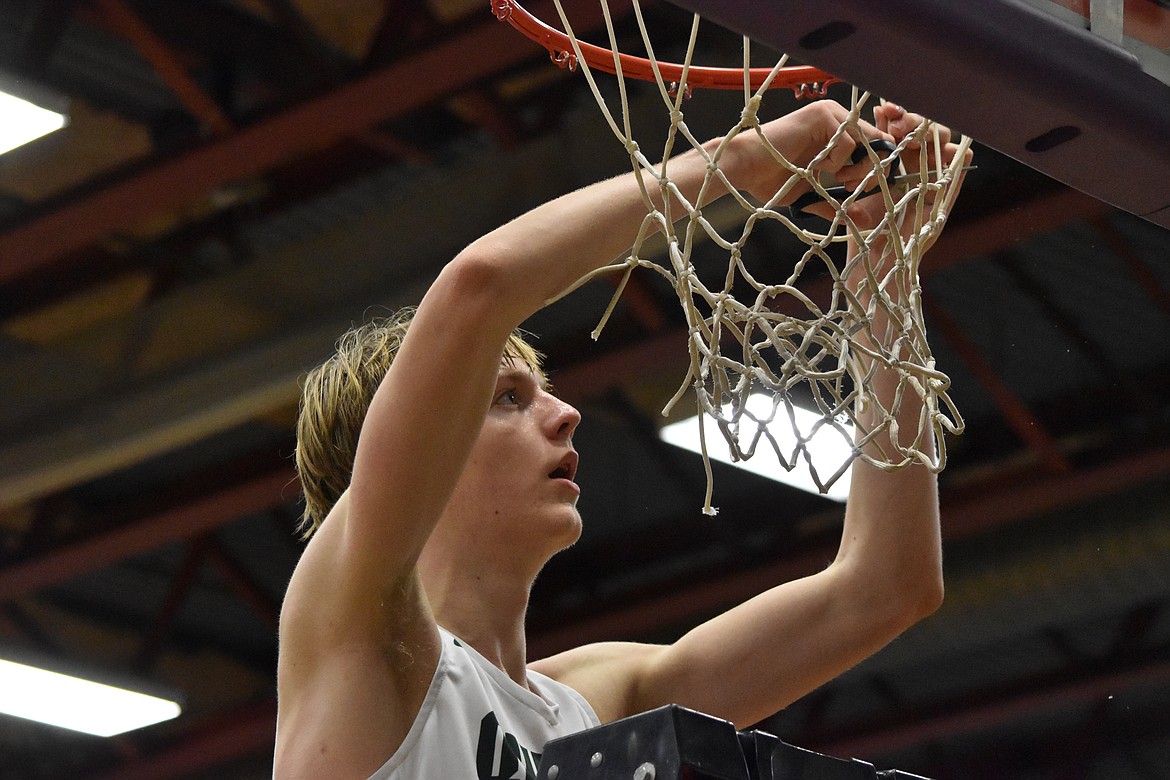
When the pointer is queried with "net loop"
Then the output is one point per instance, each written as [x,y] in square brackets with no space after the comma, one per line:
[813,90]
[564,59]
[502,10]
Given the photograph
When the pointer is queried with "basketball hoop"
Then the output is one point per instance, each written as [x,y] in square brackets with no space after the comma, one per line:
[805,81]
[780,337]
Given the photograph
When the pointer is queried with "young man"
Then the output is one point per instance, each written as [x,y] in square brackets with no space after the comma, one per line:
[402,636]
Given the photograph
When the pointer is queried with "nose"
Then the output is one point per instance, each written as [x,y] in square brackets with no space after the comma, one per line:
[563,419]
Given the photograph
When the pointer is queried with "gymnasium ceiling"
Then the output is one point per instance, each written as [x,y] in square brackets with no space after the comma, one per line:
[242,179]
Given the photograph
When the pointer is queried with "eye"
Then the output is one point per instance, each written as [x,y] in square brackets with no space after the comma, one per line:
[508,398]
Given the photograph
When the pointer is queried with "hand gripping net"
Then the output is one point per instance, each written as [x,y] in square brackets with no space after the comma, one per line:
[781,337]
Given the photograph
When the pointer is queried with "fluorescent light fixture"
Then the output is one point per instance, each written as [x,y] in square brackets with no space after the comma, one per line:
[22,121]
[74,703]
[829,449]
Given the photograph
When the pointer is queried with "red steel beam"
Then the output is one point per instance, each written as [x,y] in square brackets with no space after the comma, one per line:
[481,108]
[986,506]
[413,82]
[193,519]
[393,147]
[1138,268]
[177,594]
[1000,230]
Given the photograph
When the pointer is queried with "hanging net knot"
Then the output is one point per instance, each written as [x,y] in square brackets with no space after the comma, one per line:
[749,117]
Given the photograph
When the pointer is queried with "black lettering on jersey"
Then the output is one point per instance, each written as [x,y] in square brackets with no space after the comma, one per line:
[499,756]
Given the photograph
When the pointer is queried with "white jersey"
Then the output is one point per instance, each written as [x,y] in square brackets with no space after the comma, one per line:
[476,723]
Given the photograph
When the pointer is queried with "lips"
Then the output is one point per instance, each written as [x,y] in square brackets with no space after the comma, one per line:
[566,467]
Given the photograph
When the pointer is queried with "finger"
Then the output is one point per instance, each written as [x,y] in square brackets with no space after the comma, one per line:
[873,131]
[849,159]
[881,115]
[822,210]
[895,119]
[839,154]
[944,132]
[967,158]
[864,170]
[866,213]
[852,176]
[947,156]
[901,123]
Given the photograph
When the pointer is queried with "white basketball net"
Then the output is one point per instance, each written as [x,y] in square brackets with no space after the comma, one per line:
[782,337]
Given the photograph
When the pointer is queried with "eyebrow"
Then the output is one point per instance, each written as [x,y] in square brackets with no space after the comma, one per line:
[514,373]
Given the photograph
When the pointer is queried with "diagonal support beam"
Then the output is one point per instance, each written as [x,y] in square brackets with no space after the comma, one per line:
[243,583]
[1019,417]
[120,17]
[177,594]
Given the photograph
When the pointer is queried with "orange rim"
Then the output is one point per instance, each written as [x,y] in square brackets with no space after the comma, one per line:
[803,80]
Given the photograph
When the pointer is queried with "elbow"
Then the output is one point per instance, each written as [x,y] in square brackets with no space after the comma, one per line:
[475,284]
[476,272]
[496,279]
[930,598]
[904,599]
[920,598]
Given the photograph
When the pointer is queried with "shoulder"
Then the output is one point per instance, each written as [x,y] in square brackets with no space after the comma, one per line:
[607,674]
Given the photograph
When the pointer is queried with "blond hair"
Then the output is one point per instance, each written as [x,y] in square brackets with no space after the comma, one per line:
[335,397]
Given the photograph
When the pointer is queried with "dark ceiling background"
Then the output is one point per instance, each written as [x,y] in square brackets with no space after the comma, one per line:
[242,179]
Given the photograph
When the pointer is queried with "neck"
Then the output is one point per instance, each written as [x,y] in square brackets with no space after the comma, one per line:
[485,610]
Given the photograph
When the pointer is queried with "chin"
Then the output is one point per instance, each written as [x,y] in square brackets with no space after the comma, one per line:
[571,531]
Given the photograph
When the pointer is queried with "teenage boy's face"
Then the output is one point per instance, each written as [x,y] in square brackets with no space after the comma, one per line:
[522,468]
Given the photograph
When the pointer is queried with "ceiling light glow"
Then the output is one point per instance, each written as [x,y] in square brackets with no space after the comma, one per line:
[24,121]
[828,448]
[77,704]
